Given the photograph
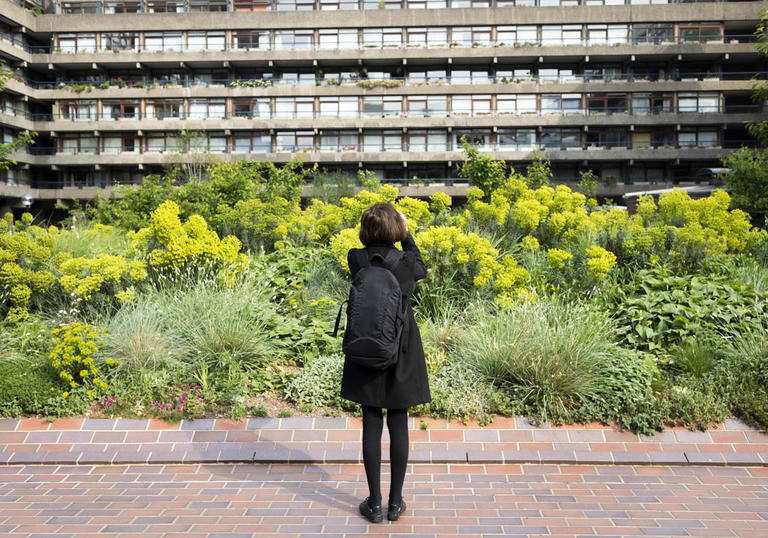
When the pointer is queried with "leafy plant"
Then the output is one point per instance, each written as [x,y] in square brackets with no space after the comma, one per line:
[658,310]
[318,384]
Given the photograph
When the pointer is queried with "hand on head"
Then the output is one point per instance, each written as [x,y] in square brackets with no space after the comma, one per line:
[405,220]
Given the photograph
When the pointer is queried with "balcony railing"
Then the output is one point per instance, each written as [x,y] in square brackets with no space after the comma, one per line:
[380,45]
[95,84]
[412,114]
[625,145]
[183,6]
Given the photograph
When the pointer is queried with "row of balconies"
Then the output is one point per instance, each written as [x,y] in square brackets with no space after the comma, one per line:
[184,6]
[414,119]
[589,35]
[330,39]
[414,140]
[435,77]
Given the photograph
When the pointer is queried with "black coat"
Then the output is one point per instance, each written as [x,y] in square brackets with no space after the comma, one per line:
[405,384]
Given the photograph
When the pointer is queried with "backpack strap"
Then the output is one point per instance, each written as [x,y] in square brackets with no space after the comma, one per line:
[362,258]
[393,259]
[338,318]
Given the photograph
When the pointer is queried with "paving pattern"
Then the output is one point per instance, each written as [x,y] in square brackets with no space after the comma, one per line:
[337,440]
[301,477]
[213,500]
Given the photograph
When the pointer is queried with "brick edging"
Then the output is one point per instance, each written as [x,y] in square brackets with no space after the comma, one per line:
[337,440]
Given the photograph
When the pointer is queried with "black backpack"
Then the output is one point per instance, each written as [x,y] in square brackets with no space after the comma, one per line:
[375,316]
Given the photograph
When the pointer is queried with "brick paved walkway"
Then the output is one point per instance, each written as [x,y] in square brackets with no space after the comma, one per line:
[212,500]
[337,440]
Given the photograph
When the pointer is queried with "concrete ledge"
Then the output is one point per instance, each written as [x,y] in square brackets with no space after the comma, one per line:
[86,441]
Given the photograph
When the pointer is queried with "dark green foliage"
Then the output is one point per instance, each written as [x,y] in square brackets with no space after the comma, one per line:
[31,387]
[330,187]
[658,310]
[482,171]
[625,393]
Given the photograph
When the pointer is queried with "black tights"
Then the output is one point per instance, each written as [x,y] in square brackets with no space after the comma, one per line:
[373,424]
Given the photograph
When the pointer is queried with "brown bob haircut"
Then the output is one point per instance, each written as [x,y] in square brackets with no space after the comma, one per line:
[381,223]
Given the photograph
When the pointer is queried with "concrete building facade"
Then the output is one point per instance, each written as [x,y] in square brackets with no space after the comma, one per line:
[639,91]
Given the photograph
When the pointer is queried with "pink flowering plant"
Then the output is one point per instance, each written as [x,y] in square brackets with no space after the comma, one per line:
[174,404]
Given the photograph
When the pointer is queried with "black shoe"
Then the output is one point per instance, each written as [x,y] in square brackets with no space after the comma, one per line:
[393,514]
[372,513]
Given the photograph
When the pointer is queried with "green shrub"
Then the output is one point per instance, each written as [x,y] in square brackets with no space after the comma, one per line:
[695,356]
[459,391]
[31,387]
[547,354]
[740,377]
[318,384]
[625,393]
[658,310]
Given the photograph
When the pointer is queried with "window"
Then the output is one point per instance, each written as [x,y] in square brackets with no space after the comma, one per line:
[516,139]
[250,39]
[700,33]
[206,108]
[423,77]
[252,108]
[295,140]
[432,36]
[294,107]
[516,35]
[556,75]
[78,110]
[607,34]
[79,8]
[567,103]
[121,110]
[516,104]
[337,39]
[164,6]
[256,142]
[641,139]
[162,143]
[388,140]
[122,6]
[382,37]
[559,35]
[205,41]
[390,106]
[607,103]
[646,173]
[471,105]
[165,109]
[603,72]
[561,138]
[698,102]
[162,41]
[75,145]
[607,138]
[697,139]
[338,141]
[251,5]
[294,39]
[465,76]
[208,5]
[479,138]
[217,143]
[338,107]
[474,36]
[120,144]
[77,42]
[652,33]
[648,103]
[119,41]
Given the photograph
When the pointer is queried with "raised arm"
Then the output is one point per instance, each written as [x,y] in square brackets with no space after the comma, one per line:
[409,245]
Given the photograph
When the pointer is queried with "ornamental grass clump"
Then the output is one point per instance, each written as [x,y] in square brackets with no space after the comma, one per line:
[547,353]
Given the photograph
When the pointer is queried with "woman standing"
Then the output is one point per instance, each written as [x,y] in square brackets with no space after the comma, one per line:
[403,384]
